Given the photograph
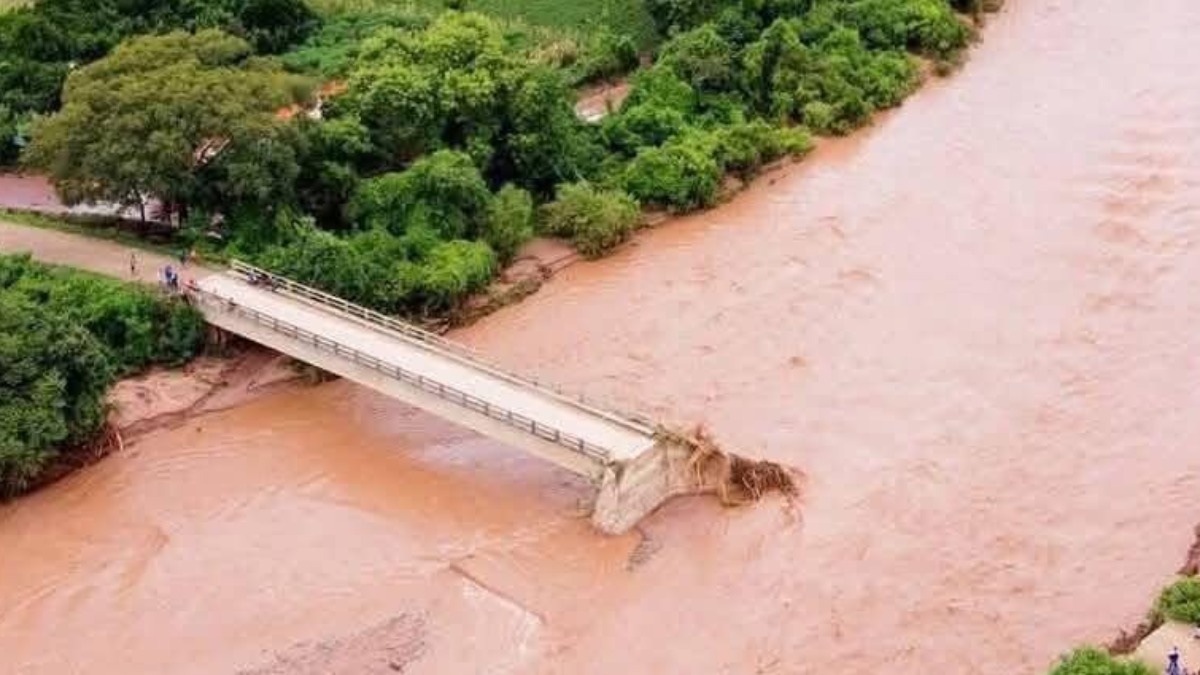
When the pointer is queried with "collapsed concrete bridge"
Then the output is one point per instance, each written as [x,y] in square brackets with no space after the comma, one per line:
[634,467]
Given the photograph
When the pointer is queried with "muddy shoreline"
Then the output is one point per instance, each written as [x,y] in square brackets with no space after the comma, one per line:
[167,398]
[972,325]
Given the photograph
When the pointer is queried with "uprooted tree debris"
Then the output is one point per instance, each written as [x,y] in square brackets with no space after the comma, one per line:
[734,479]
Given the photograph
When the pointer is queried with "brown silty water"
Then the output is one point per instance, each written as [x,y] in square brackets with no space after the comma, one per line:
[973,326]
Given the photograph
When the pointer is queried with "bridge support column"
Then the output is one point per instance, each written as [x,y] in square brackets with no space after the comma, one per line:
[630,490]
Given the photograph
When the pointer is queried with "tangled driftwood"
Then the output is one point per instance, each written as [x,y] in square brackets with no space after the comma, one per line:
[736,480]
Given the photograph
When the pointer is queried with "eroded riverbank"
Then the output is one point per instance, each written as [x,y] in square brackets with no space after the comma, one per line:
[972,326]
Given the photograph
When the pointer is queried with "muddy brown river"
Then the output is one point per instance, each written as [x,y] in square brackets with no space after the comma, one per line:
[974,326]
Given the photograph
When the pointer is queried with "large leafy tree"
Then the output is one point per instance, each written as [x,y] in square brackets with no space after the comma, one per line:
[160,116]
[458,84]
[444,192]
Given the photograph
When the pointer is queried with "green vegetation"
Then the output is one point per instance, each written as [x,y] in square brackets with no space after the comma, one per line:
[185,117]
[1180,601]
[64,338]
[42,42]
[594,220]
[451,137]
[1092,661]
[623,17]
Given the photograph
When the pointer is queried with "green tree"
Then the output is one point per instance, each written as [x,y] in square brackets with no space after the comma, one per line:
[53,378]
[156,116]
[510,221]
[684,174]
[642,125]
[444,191]
[452,271]
[272,25]
[595,220]
[700,57]
[64,337]
[458,84]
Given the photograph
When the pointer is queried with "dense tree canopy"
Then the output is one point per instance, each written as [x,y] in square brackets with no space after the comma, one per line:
[53,375]
[41,43]
[458,84]
[161,116]
[64,337]
[446,139]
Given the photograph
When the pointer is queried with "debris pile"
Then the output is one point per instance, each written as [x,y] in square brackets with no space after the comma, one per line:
[736,480]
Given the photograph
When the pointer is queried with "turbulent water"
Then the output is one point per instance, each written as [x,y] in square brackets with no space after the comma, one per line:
[974,326]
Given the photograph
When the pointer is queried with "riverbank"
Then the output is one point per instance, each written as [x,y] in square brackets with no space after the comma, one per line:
[972,325]
[66,410]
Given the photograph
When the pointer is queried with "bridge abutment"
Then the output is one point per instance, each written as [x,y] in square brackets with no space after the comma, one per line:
[631,490]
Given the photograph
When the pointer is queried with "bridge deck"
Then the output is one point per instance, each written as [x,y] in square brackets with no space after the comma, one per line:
[622,442]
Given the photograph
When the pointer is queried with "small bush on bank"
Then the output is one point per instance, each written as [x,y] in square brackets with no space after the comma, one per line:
[745,147]
[509,221]
[595,220]
[681,175]
[1180,601]
[1092,661]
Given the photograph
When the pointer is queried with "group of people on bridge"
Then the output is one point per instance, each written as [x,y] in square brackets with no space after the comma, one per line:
[168,276]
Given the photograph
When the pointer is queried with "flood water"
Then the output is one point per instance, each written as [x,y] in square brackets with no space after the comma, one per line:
[972,326]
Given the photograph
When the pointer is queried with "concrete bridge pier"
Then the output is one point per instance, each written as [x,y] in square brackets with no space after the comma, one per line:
[630,490]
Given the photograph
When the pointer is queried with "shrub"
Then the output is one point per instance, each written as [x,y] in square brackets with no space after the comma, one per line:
[700,57]
[414,272]
[136,326]
[595,220]
[453,270]
[646,124]
[1180,601]
[662,87]
[1091,661]
[795,141]
[744,147]
[361,269]
[509,222]
[608,55]
[681,175]
[444,190]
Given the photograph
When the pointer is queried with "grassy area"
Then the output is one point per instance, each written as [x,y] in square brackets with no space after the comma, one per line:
[624,17]
[6,5]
